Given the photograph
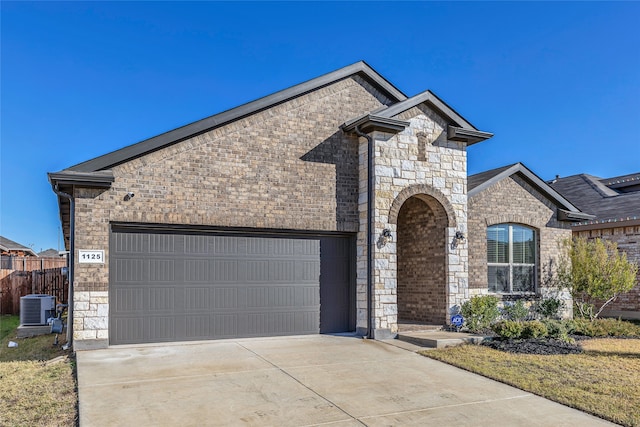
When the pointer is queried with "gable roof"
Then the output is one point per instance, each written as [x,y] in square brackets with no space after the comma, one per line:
[481,181]
[459,129]
[609,199]
[9,245]
[130,152]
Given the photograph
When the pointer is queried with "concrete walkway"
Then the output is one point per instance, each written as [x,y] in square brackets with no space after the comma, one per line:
[298,381]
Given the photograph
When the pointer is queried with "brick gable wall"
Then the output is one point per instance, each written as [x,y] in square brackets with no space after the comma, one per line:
[288,167]
[511,200]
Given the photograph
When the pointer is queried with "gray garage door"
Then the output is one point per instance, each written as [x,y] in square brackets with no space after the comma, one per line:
[171,286]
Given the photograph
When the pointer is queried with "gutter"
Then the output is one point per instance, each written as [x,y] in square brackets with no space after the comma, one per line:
[70,260]
[370,208]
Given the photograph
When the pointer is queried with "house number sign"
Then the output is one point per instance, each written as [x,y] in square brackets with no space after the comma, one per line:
[90,256]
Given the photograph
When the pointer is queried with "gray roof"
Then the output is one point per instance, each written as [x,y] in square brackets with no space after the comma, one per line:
[608,199]
[49,253]
[483,180]
[10,245]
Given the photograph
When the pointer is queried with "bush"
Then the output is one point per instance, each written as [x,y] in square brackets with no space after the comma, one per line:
[508,329]
[557,329]
[480,312]
[603,328]
[515,311]
[534,329]
[549,308]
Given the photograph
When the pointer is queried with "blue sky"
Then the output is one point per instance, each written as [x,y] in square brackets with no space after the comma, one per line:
[558,83]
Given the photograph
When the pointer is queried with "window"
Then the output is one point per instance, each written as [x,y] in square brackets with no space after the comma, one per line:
[511,258]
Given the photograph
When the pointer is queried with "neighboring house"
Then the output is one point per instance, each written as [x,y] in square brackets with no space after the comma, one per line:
[272,219]
[50,253]
[11,248]
[615,204]
[516,224]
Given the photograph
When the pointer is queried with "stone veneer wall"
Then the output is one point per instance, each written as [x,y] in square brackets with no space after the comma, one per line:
[288,167]
[512,200]
[626,305]
[418,161]
[422,273]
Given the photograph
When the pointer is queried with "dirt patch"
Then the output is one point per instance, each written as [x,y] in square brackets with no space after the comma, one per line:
[534,346]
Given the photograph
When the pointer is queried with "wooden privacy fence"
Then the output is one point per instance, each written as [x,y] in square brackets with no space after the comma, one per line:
[15,284]
[30,263]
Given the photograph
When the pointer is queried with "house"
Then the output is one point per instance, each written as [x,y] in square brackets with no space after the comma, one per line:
[615,205]
[10,248]
[326,207]
[516,222]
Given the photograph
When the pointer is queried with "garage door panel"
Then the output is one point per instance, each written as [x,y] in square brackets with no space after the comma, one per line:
[173,287]
[225,298]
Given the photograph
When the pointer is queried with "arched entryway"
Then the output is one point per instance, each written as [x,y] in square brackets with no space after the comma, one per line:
[422,261]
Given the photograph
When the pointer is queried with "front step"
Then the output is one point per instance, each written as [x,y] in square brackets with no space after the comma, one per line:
[439,338]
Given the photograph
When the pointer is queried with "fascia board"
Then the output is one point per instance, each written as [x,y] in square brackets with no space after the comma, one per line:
[371,122]
[101,179]
[470,136]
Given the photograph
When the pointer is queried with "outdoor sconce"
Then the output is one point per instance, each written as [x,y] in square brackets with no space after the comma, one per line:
[128,196]
[384,238]
[459,237]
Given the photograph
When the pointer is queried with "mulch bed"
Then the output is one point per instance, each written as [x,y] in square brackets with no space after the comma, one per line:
[534,346]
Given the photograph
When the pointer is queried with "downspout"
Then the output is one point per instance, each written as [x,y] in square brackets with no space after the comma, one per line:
[370,207]
[70,260]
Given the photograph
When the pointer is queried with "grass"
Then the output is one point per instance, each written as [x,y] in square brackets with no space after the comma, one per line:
[38,381]
[604,380]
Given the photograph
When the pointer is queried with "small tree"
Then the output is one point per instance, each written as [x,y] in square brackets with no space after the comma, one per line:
[596,272]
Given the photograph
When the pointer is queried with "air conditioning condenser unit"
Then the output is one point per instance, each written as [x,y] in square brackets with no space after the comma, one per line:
[35,309]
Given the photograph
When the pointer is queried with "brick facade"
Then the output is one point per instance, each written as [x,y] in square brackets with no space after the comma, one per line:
[513,200]
[421,263]
[290,166]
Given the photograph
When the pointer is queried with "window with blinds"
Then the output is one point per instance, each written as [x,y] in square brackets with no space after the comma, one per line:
[511,258]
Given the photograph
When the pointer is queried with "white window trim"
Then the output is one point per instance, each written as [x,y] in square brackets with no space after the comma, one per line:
[513,264]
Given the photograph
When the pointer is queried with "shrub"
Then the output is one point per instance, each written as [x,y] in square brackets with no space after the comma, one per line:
[515,311]
[557,329]
[480,312]
[549,308]
[603,328]
[508,329]
[534,329]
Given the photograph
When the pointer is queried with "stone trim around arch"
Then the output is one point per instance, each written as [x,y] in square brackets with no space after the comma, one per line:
[417,190]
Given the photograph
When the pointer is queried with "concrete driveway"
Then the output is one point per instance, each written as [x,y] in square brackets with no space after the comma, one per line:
[298,381]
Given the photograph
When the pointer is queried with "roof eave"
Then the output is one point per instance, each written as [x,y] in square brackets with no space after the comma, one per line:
[470,136]
[371,123]
[569,216]
[99,179]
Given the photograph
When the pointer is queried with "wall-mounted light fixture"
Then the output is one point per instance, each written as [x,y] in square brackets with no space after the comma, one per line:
[384,238]
[128,196]
[457,239]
